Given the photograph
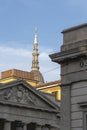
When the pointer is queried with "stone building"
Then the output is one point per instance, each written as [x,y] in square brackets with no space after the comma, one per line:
[22,107]
[73,60]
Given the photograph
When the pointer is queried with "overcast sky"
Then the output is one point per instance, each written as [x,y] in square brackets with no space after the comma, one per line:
[18,19]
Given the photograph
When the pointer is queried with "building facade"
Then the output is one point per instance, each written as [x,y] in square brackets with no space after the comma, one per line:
[22,107]
[73,60]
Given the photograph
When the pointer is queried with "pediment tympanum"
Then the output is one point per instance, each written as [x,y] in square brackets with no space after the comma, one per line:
[22,93]
[17,94]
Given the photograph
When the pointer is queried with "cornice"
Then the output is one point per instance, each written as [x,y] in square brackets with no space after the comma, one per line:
[69,54]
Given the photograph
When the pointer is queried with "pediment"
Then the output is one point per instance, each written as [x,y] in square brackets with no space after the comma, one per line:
[21,93]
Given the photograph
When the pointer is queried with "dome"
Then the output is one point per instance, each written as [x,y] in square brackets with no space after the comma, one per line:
[38,76]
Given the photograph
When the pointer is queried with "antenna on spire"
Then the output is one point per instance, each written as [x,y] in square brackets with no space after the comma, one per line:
[35,38]
[36,30]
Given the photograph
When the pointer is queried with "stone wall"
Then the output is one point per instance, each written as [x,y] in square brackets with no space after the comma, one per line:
[73,60]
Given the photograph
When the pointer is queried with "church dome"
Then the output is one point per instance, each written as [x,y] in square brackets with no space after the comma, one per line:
[38,76]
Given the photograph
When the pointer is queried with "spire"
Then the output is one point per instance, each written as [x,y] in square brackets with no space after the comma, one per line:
[35,62]
[35,54]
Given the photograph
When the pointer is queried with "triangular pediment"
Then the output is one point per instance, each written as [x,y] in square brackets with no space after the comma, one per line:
[22,94]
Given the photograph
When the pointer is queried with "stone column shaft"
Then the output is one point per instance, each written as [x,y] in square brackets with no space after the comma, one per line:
[7,125]
[25,127]
[52,128]
[45,128]
[38,127]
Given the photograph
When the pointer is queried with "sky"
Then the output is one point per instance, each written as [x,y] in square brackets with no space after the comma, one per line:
[18,19]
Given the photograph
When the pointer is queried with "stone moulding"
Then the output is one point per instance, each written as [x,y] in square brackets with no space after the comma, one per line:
[69,54]
[83,104]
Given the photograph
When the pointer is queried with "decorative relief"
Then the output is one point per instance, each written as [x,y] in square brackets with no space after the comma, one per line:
[18,94]
[83,63]
[7,94]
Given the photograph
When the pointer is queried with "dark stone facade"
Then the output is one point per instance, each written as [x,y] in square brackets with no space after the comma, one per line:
[73,60]
[22,107]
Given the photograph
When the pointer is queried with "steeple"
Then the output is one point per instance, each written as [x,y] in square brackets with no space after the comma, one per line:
[35,54]
[35,62]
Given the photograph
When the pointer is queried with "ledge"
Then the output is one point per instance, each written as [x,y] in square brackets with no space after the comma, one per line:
[83,104]
[13,104]
[74,28]
[69,54]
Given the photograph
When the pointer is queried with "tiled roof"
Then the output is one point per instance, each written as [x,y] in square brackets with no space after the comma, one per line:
[17,73]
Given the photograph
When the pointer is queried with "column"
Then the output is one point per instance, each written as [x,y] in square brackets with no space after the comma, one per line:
[54,128]
[25,127]
[45,127]
[38,127]
[7,125]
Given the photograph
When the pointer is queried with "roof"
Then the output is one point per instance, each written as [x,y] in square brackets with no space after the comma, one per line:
[38,76]
[17,73]
[74,28]
[49,83]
